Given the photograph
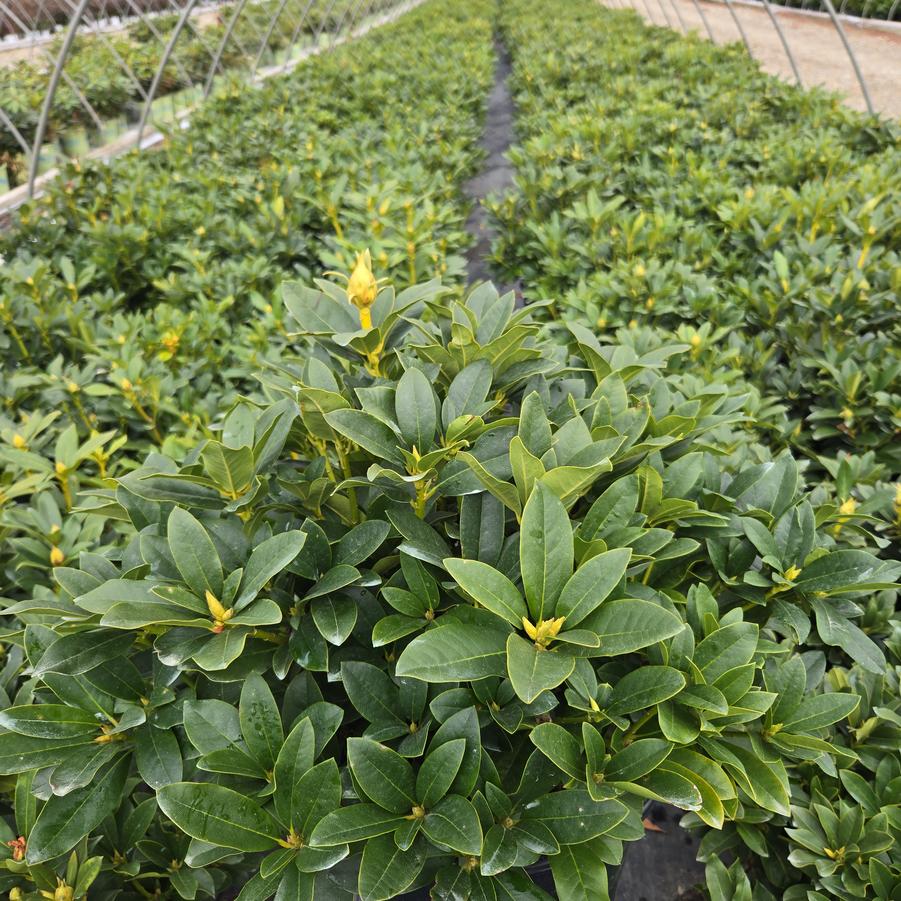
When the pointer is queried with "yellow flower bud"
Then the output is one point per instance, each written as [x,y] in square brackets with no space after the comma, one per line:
[362,287]
[60,468]
[792,573]
[639,271]
[696,341]
[848,506]
[19,442]
[57,557]
[217,611]
[126,384]
[72,387]
[749,194]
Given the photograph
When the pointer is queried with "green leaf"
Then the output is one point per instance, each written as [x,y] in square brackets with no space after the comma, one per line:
[21,753]
[644,687]
[545,551]
[726,648]
[232,469]
[211,725]
[453,823]
[385,776]
[267,560]
[219,815]
[361,542]
[371,691]
[48,721]
[261,723]
[533,671]
[194,553]
[385,870]
[158,756]
[573,816]
[354,824]
[368,432]
[335,617]
[818,711]
[294,759]
[455,652]
[630,624]
[591,585]
[560,747]
[846,570]
[438,771]
[639,758]
[579,874]
[838,631]
[488,587]
[315,794]
[499,850]
[82,651]
[65,820]
[416,409]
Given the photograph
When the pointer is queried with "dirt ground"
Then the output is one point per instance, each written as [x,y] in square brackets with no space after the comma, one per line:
[817,48]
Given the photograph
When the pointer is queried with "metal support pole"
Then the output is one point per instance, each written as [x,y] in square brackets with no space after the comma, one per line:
[707,27]
[164,59]
[226,36]
[264,44]
[675,5]
[740,27]
[665,16]
[17,135]
[51,91]
[784,40]
[296,33]
[841,33]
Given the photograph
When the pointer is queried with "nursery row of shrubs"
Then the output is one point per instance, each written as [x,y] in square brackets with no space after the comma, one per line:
[758,225]
[320,586]
[113,72]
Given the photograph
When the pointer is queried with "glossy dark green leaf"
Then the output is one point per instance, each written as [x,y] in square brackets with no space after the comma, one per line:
[591,585]
[644,687]
[353,824]
[294,759]
[158,756]
[194,553]
[385,776]
[453,823]
[533,670]
[438,771]
[455,652]
[219,815]
[261,723]
[545,551]
[488,587]
[64,821]
[385,870]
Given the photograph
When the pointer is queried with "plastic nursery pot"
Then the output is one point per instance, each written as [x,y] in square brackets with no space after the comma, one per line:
[74,142]
[111,130]
[48,157]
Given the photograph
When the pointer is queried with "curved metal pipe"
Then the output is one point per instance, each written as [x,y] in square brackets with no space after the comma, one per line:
[891,12]
[784,40]
[674,4]
[665,16]
[226,37]
[264,44]
[740,27]
[17,135]
[849,50]
[296,33]
[700,11]
[41,130]
[164,59]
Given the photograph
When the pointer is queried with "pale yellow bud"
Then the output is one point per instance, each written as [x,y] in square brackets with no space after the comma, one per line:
[57,557]
[362,287]
[19,442]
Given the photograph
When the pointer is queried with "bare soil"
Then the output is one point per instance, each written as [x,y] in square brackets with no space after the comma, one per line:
[815,44]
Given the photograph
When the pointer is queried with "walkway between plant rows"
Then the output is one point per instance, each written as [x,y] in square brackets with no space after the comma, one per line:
[661,867]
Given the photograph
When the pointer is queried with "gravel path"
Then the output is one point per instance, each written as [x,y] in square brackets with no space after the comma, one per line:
[817,48]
